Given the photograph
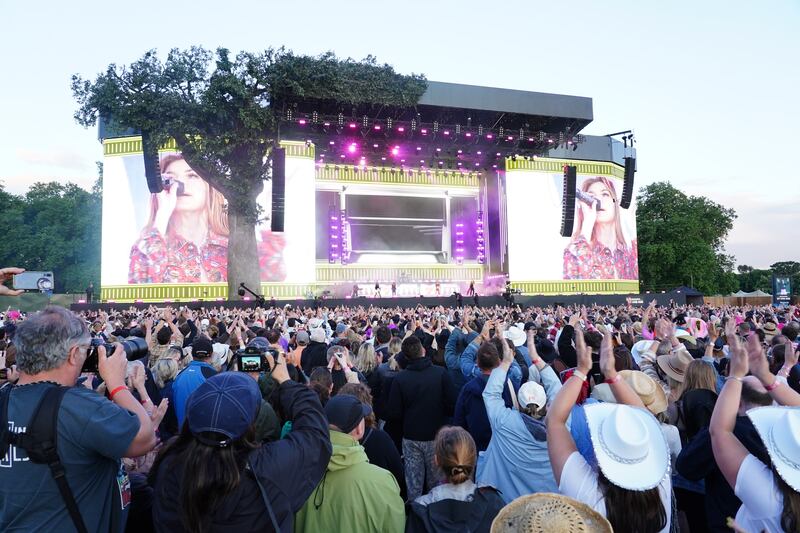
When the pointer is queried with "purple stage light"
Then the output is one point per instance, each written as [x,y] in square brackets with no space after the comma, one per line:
[468,134]
[343,156]
[460,151]
[479,238]
[490,136]
[377,126]
[352,148]
[446,132]
[479,153]
[419,148]
[353,125]
[332,143]
[326,124]
[424,131]
[302,122]
[396,150]
[438,149]
[374,145]
[510,138]
[401,129]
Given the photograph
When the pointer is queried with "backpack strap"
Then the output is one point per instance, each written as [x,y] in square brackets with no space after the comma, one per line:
[264,498]
[40,442]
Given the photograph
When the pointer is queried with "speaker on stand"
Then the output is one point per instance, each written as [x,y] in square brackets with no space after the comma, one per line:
[278,188]
[568,200]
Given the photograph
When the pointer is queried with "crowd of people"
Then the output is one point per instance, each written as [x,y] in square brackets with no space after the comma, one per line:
[681,418]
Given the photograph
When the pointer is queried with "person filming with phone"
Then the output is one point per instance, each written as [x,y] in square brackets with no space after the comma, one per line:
[84,488]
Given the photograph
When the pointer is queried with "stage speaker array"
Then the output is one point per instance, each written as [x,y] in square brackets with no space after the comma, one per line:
[278,188]
[627,188]
[152,166]
[568,200]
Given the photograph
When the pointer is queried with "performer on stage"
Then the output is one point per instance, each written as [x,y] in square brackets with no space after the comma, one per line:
[438,288]
[377,289]
[394,289]
[354,294]
[471,290]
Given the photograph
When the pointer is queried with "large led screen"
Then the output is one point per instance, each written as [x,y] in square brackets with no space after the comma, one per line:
[603,240]
[181,234]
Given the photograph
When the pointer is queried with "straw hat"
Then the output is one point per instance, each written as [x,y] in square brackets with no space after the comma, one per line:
[651,394]
[770,330]
[548,512]
[779,429]
[674,363]
[629,445]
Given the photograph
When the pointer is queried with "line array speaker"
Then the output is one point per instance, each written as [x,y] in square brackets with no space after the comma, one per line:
[152,167]
[568,200]
[627,188]
[278,188]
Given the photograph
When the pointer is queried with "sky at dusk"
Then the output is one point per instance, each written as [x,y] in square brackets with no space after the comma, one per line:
[710,88]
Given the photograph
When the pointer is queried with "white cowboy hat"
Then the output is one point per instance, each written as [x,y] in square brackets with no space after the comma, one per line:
[517,336]
[779,429]
[629,445]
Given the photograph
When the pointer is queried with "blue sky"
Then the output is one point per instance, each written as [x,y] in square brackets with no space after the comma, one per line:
[710,88]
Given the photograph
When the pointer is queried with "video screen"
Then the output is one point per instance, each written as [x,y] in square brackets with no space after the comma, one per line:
[603,240]
[181,234]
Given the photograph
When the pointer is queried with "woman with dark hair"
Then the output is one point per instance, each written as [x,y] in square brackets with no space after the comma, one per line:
[598,248]
[215,476]
[627,479]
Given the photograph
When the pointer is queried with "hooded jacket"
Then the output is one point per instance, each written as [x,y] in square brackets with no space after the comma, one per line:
[353,495]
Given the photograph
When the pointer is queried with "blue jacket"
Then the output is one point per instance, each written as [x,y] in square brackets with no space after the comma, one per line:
[452,357]
[516,461]
[186,383]
[471,411]
[469,368]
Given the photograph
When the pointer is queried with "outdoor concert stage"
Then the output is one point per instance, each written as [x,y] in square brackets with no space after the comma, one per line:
[468,185]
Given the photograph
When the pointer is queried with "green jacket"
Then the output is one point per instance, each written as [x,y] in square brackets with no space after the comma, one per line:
[353,495]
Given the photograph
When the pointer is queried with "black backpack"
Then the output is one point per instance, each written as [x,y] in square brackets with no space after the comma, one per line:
[40,442]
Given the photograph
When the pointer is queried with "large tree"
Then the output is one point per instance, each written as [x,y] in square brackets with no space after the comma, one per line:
[53,227]
[681,241]
[219,110]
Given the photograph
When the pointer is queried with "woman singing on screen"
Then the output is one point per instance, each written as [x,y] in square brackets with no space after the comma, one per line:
[185,239]
[598,249]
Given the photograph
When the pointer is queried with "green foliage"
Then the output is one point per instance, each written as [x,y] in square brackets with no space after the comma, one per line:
[681,241]
[54,226]
[219,109]
[751,279]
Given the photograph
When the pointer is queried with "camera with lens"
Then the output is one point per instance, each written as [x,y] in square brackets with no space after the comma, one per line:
[135,348]
[254,359]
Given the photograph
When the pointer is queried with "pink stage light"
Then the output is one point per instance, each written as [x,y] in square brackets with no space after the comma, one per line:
[353,125]
[396,150]
[302,122]
[401,129]
[326,124]
[479,153]
[446,132]
[84,301]
[343,156]
[332,143]
[352,148]
[468,134]
[490,136]
[438,149]
[377,126]
[510,138]
[424,131]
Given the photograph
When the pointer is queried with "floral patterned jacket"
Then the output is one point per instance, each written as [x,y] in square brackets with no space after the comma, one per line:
[583,260]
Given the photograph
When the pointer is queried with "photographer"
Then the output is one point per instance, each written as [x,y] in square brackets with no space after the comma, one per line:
[93,433]
[216,477]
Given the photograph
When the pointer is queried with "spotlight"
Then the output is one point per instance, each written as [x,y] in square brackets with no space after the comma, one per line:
[413,125]
[352,148]
[480,130]
[435,126]
[365,121]
[314,117]
[340,119]
[388,123]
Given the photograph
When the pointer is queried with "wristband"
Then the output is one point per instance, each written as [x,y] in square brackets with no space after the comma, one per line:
[579,374]
[735,378]
[775,385]
[146,401]
[615,379]
[113,392]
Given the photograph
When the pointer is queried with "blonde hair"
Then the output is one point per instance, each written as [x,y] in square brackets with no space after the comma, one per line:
[366,361]
[215,204]
[576,232]
[456,453]
[164,370]
[699,375]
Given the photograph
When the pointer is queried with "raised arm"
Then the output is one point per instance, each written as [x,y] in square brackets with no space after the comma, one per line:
[560,444]
[623,392]
[729,452]
[759,367]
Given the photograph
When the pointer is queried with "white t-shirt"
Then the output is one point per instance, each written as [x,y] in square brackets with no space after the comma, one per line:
[762,502]
[579,481]
[673,437]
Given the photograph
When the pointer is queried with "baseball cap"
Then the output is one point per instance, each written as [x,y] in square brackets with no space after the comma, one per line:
[318,335]
[225,403]
[531,392]
[302,338]
[345,412]
[202,347]
[259,342]
[340,328]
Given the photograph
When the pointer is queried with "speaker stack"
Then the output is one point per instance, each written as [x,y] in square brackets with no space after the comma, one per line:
[568,200]
[627,188]
[278,188]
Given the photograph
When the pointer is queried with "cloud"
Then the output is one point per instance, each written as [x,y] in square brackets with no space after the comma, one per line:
[54,158]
